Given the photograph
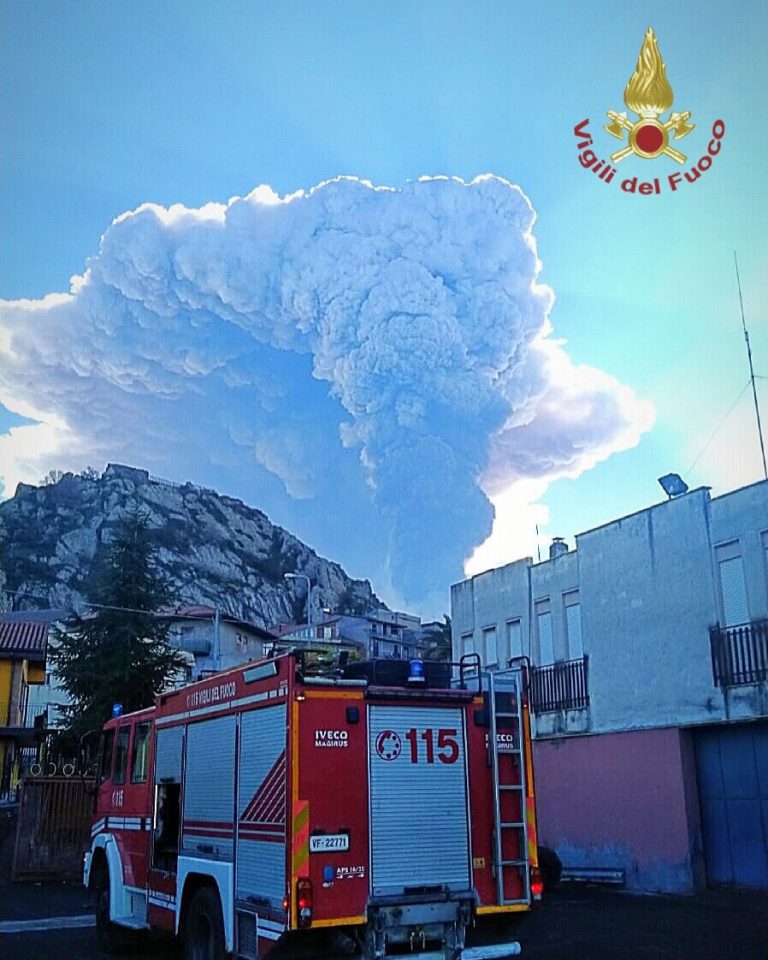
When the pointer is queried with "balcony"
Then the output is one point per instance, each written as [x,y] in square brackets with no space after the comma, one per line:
[739,654]
[559,686]
[21,724]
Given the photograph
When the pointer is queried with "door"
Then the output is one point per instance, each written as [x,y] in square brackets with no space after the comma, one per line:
[418,796]
[732,767]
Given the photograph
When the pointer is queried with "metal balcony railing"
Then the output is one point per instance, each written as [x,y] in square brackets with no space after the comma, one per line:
[739,654]
[560,686]
[13,715]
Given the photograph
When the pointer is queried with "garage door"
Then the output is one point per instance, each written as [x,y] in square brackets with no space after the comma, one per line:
[732,766]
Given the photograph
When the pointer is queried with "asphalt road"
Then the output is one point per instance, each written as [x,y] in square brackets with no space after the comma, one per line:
[577,924]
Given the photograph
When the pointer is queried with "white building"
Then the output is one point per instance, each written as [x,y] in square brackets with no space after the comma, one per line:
[215,640]
[384,634]
[649,645]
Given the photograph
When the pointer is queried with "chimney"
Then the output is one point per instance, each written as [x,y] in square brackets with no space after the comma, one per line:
[557,548]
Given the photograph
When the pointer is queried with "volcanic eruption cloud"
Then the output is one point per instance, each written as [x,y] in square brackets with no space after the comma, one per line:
[371,366]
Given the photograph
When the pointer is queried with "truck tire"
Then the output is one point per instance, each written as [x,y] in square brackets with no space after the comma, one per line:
[204,927]
[109,936]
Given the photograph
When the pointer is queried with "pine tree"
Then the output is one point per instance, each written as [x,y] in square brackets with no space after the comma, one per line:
[117,652]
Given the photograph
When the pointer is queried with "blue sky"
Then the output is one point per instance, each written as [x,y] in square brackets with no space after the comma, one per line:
[106,106]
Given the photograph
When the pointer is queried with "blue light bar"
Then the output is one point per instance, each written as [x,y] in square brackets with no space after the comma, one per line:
[416,672]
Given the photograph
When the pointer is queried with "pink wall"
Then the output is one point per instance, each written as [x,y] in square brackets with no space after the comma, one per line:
[621,800]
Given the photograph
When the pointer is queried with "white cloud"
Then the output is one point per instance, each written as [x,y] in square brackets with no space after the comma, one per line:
[376,351]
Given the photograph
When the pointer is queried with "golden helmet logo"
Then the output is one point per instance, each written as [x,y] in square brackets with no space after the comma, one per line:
[649,96]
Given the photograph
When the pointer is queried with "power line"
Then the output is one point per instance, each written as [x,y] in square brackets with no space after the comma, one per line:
[717,428]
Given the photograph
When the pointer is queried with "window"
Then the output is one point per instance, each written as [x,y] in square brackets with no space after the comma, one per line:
[241,641]
[765,552]
[733,588]
[490,647]
[573,625]
[121,754]
[105,758]
[514,638]
[140,752]
[544,631]
[466,644]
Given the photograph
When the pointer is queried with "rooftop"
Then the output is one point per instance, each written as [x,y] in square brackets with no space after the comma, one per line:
[23,638]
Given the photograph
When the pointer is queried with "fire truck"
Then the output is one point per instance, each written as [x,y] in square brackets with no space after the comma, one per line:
[384,808]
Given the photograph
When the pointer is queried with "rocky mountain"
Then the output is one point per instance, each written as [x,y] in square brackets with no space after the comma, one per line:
[213,549]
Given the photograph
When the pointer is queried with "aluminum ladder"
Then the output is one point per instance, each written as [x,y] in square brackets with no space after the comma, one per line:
[509,770]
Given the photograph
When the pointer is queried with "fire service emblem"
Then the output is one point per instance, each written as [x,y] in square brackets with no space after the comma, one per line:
[388,745]
[649,95]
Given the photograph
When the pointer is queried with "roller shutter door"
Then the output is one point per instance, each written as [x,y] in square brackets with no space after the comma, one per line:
[209,789]
[419,821]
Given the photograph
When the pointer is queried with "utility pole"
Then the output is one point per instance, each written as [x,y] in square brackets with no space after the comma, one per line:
[751,369]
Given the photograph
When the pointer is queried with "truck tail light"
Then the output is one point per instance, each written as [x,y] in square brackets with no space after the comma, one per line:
[537,884]
[304,901]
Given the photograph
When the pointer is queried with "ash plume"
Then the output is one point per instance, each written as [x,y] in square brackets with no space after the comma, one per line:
[366,364]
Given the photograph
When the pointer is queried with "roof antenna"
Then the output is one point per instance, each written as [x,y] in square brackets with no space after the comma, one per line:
[751,368]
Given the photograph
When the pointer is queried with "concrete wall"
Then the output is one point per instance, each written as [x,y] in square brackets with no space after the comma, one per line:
[648,600]
[625,800]
[490,599]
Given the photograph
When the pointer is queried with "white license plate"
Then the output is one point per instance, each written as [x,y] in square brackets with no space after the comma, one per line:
[329,841]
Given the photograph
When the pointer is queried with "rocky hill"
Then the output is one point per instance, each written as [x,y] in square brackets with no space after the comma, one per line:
[213,549]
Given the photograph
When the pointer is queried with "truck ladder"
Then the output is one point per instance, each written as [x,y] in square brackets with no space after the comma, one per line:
[508,765]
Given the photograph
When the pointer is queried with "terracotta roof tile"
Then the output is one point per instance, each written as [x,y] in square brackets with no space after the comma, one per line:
[24,638]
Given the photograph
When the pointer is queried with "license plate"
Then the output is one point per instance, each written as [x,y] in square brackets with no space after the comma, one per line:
[329,841]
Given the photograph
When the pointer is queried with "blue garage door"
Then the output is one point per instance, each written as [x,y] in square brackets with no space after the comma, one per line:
[732,766]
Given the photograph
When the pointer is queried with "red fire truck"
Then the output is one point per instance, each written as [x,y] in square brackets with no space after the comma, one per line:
[390,805]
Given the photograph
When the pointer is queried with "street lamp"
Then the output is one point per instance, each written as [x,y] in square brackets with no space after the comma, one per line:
[302,576]
[673,485]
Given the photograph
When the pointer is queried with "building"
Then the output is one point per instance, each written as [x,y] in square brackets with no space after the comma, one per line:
[215,640]
[649,687]
[383,634]
[211,640]
[23,644]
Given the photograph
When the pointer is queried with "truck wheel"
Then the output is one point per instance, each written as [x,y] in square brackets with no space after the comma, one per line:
[551,868]
[109,935]
[204,929]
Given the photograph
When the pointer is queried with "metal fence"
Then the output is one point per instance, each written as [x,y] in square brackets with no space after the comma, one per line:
[560,686]
[739,654]
[53,830]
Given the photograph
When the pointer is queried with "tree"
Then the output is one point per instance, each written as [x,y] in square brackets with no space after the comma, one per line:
[52,477]
[118,651]
[438,645]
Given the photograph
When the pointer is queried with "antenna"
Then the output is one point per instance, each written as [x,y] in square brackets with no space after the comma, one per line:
[751,368]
